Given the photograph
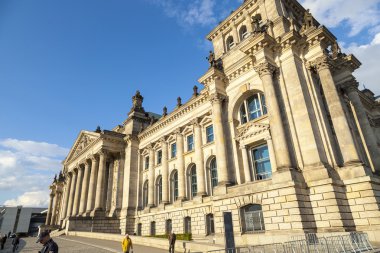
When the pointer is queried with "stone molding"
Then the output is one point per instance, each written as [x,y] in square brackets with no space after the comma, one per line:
[217,98]
[264,69]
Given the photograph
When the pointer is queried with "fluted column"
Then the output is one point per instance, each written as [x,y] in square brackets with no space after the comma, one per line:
[83,198]
[338,117]
[72,193]
[199,160]
[54,209]
[180,167]
[165,172]
[247,171]
[350,88]
[78,189]
[100,182]
[49,212]
[151,178]
[67,196]
[220,143]
[265,71]
[91,185]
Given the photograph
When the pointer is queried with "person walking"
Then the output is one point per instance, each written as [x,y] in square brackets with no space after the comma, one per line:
[172,238]
[126,244]
[15,243]
[3,240]
[49,246]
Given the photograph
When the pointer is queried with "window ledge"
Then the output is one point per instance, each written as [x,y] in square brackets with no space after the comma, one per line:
[252,121]
[208,144]
[189,152]
[253,232]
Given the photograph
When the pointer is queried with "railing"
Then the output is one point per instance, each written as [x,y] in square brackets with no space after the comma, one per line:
[311,243]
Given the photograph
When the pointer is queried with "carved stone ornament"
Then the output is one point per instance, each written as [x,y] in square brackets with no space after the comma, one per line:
[321,63]
[83,143]
[216,98]
[350,85]
[137,101]
[265,68]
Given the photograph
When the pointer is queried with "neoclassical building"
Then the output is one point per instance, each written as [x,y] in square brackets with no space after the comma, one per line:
[279,141]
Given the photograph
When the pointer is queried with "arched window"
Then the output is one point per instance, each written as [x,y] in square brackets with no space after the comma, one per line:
[213,173]
[168,226]
[210,228]
[193,181]
[187,225]
[174,186]
[252,108]
[243,32]
[230,43]
[159,190]
[145,194]
[252,218]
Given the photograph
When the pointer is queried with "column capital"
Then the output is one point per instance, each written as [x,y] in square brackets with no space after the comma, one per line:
[265,68]
[216,98]
[195,122]
[163,140]
[321,63]
[103,152]
[178,132]
[349,86]
[129,138]
[242,146]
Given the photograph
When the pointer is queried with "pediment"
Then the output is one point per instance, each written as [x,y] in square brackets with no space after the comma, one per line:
[83,141]
[251,129]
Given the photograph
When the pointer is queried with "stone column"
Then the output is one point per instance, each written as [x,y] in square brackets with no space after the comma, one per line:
[271,154]
[249,24]
[86,179]
[72,193]
[180,167]
[247,171]
[165,172]
[235,34]
[54,210]
[151,178]
[220,143]
[91,185]
[368,134]
[67,196]
[49,212]
[199,160]
[78,190]
[108,200]
[100,182]
[265,71]
[338,117]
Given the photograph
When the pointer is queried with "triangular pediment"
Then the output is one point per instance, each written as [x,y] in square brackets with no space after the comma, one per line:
[83,141]
[251,129]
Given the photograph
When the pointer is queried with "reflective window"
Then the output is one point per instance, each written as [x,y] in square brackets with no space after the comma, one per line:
[252,218]
[193,181]
[243,32]
[153,228]
[174,186]
[173,150]
[213,173]
[159,157]
[147,162]
[230,43]
[159,190]
[262,168]
[187,225]
[190,143]
[252,108]
[168,226]
[145,194]
[210,227]
[210,134]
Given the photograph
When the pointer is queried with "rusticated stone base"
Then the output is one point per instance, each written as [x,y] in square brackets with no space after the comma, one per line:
[94,224]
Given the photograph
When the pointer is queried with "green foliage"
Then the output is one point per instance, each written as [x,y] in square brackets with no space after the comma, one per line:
[182,237]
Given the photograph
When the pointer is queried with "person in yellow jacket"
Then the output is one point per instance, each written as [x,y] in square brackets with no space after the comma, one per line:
[126,244]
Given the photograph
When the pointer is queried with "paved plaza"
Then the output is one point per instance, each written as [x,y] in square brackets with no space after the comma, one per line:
[71,244]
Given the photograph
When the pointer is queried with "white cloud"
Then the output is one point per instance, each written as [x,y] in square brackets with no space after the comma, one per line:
[369,54]
[358,15]
[30,199]
[28,167]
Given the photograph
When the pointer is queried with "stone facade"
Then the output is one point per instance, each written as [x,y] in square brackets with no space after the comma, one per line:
[280,136]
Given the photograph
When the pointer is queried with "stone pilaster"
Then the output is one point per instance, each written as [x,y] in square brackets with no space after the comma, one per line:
[350,87]
[78,191]
[100,183]
[165,172]
[247,170]
[338,117]
[220,142]
[85,181]
[199,159]
[265,71]
[91,185]
[54,209]
[108,200]
[180,167]
[151,178]
[72,193]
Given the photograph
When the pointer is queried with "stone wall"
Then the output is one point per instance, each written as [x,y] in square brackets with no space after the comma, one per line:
[94,224]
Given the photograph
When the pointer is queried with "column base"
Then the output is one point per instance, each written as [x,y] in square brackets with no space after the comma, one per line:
[201,194]
[181,199]
[99,212]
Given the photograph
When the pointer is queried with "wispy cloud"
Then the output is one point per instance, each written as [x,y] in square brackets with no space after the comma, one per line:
[28,167]
[358,15]
[30,199]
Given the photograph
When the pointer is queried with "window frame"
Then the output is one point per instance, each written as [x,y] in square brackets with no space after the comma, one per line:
[245,115]
[174,186]
[145,194]
[248,217]
[173,152]
[209,140]
[213,178]
[187,225]
[152,228]
[159,190]
[193,181]
[255,175]
[190,145]
[159,157]
[146,162]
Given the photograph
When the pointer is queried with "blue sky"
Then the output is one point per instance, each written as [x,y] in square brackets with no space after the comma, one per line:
[58,57]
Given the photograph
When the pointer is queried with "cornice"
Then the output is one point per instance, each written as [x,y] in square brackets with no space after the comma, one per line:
[175,115]
[230,20]
[211,75]
[239,68]
[319,35]
[258,43]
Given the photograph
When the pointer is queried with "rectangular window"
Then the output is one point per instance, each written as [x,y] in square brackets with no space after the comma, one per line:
[173,149]
[147,162]
[261,162]
[190,143]
[159,157]
[210,133]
